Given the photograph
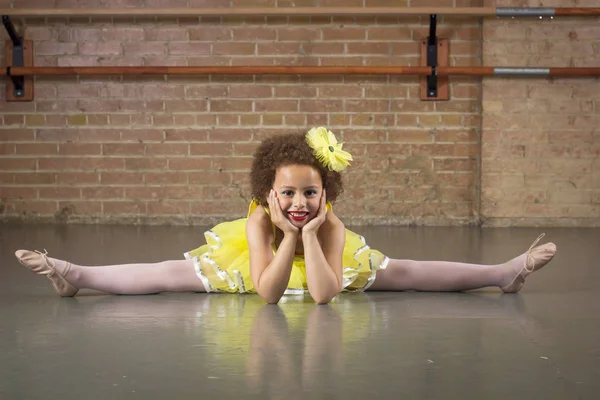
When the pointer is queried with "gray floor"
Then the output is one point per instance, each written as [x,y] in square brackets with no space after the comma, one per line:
[542,343]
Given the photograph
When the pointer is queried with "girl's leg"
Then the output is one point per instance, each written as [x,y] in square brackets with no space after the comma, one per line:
[444,276]
[166,276]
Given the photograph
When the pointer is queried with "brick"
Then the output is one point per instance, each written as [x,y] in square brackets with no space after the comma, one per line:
[389,33]
[205,119]
[103,192]
[186,105]
[121,178]
[340,91]
[189,164]
[76,61]
[36,149]
[570,197]
[76,207]
[315,48]
[88,163]
[231,163]
[165,34]
[234,49]
[409,106]
[321,106]
[369,48]
[250,91]
[77,178]
[17,164]
[404,49]
[184,119]
[249,119]
[454,164]
[294,33]
[35,120]
[352,105]
[77,120]
[210,33]
[228,120]
[111,149]
[127,207]
[139,164]
[344,33]
[144,49]
[176,149]
[388,149]
[190,135]
[40,207]
[163,91]
[55,48]
[210,177]
[35,178]
[276,105]
[297,120]
[159,178]
[231,105]
[100,49]
[97,105]
[59,193]
[15,192]
[13,119]
[272,119]
[279,48]
[189,48]
[295,91]
[253,34]
[96,135]
[169,208]
[206,92]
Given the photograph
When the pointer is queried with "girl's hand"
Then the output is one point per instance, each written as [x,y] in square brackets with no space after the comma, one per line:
[317,221]
[277,216]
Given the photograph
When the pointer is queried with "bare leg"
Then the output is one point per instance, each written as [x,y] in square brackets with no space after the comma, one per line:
[444,276]
[166,276]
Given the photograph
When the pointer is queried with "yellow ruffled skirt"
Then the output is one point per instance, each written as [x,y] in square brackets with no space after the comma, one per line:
[223,263]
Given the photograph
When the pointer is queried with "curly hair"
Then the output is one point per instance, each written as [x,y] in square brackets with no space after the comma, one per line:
[290,149]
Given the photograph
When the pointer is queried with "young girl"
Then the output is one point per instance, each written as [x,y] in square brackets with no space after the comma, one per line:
[290,242]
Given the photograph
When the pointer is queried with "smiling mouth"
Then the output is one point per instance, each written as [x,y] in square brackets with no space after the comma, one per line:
[298,216]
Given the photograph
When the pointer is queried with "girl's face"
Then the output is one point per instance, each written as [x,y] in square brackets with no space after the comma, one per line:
[299,189]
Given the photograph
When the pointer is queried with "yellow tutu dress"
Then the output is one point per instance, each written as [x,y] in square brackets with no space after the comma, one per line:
[223,263]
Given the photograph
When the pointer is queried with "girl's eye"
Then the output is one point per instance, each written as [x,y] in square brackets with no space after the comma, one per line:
[311,192]
[287,193]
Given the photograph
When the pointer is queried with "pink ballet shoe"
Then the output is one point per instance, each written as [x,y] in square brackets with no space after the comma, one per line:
[38,262]
[535,259]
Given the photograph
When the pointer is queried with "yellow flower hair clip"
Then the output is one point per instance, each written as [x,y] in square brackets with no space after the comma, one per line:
[327,150]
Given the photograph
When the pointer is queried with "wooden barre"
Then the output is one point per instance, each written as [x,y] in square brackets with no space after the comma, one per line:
[299,11]
[295,70]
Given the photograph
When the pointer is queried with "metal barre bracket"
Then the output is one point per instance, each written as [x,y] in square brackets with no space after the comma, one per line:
[17,56]
[432,57]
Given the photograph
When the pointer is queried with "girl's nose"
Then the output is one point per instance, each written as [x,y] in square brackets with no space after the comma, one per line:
[299,201]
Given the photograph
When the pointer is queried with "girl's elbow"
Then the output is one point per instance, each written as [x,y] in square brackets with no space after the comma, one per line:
[324,299]
[270,298]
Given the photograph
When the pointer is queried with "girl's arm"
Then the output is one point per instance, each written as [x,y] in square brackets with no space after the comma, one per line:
[270,273]
[323,257]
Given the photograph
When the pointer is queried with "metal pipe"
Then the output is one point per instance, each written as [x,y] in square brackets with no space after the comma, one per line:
[511,71]
[525,12]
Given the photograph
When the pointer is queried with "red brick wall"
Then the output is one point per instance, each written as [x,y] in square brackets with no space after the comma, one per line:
[177,149]
[541,137]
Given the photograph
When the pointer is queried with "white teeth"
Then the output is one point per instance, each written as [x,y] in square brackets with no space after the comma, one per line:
[298,214]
